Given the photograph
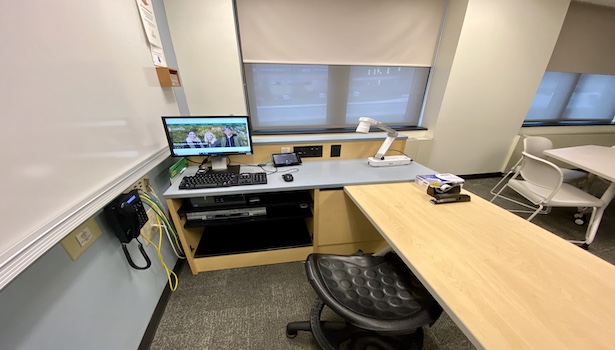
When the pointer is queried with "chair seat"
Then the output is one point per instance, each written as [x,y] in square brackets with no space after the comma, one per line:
[372,292]
[567,196]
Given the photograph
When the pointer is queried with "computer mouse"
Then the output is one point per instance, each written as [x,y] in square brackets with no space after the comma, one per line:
[287,177]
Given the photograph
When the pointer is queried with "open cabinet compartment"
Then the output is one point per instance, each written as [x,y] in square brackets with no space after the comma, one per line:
[256,236]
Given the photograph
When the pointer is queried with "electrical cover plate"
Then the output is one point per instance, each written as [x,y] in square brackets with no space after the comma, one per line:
[149,230]
[308,151]
[76,242]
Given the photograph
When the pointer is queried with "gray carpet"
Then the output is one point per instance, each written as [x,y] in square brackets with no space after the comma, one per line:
[249,308]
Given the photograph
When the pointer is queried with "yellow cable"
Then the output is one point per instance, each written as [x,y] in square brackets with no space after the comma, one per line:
[171,276]
[157,210]
[177,244]
[156,207]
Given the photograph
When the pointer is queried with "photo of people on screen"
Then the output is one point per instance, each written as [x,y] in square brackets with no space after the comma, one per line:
[193,141]
[211,140]
[213,136]
[230,138]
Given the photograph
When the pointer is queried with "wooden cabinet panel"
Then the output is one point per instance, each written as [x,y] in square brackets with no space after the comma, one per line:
[340,221]
[351,248]
[284,234]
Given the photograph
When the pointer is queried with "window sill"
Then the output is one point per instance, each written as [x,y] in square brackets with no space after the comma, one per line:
[569,130]
[342,137]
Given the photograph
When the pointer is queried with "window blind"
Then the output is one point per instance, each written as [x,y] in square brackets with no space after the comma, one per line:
[586,43]
[345,32]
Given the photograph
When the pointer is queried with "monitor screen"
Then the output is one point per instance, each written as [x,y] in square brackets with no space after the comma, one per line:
[208,136]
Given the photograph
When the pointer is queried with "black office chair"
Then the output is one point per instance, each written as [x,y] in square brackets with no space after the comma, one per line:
[384,306]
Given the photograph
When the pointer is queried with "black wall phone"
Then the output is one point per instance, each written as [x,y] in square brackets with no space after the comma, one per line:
[126,216]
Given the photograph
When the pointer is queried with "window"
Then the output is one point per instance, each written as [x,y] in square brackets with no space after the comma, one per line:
[303,98]
[573,98]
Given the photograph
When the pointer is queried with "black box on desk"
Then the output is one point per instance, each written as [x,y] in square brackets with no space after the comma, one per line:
[443,189]
[438,180]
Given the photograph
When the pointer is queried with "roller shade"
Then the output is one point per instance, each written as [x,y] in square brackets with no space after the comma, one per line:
[346,32]
[586,43]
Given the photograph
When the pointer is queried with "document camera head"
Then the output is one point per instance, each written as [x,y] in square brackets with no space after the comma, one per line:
[365,124]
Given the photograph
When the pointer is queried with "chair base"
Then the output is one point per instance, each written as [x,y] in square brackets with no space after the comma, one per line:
[331,334]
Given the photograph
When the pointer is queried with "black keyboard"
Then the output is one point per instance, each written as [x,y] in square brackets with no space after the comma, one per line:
[213,180]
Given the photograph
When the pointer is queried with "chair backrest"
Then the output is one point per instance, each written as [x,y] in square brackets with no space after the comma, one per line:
[541,172]
[535,145]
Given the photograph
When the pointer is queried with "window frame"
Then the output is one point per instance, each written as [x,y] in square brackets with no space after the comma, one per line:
[336,111]
[562,96]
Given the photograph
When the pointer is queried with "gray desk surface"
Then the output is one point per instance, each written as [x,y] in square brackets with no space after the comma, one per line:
[321,174]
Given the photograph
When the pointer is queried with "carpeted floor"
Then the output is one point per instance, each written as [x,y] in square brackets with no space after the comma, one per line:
[249,308]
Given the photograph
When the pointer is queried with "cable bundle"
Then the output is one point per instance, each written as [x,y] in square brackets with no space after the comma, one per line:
[163,222]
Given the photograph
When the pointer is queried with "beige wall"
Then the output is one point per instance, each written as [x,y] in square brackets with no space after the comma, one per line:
[496,66]
[205,42]
[489,65]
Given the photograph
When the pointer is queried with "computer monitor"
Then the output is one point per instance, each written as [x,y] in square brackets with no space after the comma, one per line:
[216,137]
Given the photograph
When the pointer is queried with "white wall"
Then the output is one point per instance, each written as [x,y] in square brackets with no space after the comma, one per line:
[95,302]
[205,40]
[497,65]
[98,301]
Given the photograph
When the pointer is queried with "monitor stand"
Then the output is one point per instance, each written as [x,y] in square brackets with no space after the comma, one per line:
[218,165]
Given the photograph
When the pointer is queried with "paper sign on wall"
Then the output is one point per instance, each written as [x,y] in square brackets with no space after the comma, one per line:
[148,18]
[149,22]
[158,56]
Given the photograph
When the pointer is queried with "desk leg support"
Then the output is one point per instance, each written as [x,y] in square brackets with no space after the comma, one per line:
[383,251]
[594,222]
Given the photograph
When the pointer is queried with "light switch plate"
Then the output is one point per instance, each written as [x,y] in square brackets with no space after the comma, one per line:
[76,242]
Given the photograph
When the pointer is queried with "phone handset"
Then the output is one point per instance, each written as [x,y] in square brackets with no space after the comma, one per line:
[126,215]
[128,211]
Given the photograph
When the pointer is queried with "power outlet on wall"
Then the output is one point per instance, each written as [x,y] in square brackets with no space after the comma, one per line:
[308,151]
[149,230]
[76,242]
[142,185]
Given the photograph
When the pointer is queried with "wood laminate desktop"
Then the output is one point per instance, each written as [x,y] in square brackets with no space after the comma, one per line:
[507,283]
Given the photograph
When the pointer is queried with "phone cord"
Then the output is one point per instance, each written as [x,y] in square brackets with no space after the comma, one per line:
[147,260]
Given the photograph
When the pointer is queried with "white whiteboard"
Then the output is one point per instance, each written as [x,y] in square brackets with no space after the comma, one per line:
[81,107]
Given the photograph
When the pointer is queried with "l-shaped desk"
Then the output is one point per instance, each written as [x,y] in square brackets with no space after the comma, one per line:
[507,283]
[333,224]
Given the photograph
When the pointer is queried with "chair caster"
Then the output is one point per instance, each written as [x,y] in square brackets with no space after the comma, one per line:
[579,219]
[293,328]
[291,335]
[585,246]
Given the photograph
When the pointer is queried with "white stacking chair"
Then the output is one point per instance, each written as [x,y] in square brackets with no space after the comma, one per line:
[542,184]
[536,145]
